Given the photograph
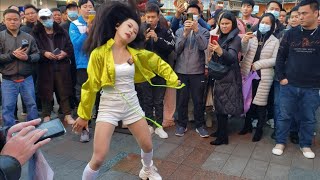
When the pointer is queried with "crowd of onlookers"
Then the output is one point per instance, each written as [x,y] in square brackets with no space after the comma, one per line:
[264,69]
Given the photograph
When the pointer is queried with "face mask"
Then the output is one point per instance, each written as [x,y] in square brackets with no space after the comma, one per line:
[264,28]
[73,15]
[48,23]
[195,17]
[275,13]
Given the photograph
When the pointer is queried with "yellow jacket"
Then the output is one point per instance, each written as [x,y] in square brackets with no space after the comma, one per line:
[101,72]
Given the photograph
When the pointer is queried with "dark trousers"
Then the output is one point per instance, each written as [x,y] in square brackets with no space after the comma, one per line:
[63,100]
[222,129]
[82,77]
[195,84]
[153,98]
[256,111]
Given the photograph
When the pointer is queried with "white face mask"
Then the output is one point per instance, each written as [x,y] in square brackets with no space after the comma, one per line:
[276,14]
[195,17]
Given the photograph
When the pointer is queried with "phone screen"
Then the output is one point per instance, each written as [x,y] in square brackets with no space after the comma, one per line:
[55,129]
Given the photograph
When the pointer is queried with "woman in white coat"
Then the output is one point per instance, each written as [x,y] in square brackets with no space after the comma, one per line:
[259,51]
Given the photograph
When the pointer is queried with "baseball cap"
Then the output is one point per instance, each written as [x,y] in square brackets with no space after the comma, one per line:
[71,3]
[156,2]
[45,12]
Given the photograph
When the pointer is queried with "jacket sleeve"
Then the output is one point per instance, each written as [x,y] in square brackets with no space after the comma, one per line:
[166,42]
[230,55]
[270,62]
[4,57]
[10,168]
[91,86]
[76,37]
[204,24]
[245,47]
[180,41]
[160,67]
[34,53]
[202,39]
[282,57]
[175,24]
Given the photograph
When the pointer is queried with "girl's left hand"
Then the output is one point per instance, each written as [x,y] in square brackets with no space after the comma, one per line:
[78,126]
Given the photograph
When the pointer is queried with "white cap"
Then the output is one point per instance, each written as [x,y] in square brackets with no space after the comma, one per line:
[45,12]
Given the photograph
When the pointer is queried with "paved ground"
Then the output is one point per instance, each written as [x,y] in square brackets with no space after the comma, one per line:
[188,157]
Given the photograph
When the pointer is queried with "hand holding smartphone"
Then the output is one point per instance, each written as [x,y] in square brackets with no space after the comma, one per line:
[213,38]
[190,16]
[57,51]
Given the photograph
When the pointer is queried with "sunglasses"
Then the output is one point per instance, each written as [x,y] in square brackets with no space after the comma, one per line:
[45,18]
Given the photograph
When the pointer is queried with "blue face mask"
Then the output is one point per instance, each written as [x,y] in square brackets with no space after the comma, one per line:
[276,14]
[73,15]
[264,28]
[195,17]
[48,23]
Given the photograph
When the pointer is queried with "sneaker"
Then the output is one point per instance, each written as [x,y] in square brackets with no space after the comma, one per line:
[161,133]
[270,122]
[278,149]
[151,129]
[254,123]
[84,136]
[307,152]
[202,132]
[180,131]
[69,119]
[150,173]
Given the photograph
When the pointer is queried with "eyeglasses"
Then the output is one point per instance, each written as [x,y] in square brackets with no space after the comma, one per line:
[31,13]
[45,18]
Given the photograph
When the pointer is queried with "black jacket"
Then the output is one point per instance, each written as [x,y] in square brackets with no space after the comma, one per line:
[27,28]
[66,25]
[228,91]
[10,67]
[10,168]
[165,44]
[2,27]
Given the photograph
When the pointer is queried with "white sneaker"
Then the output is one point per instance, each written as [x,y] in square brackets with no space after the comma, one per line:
[150,173]
[254,123]
[278,149]
[151,129]
[270,122]
[307,152]
[84,137]
[161,133]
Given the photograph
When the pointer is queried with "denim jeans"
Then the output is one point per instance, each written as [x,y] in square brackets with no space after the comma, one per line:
[10,91]
[297,102]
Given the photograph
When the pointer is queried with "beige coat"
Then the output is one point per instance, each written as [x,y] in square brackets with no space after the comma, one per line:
[265,64]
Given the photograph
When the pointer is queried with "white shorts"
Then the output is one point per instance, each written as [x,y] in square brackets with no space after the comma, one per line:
[114,108]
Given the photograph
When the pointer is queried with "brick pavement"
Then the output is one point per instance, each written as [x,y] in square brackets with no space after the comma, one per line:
[187,157]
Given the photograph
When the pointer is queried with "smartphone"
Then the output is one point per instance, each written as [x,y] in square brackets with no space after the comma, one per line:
[55,129]
[190,16]
[57,51]
[24,43]
[148,26]
[248,27]
[214,38]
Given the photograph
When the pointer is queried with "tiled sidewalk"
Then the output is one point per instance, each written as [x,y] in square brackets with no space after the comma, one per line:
[188,157]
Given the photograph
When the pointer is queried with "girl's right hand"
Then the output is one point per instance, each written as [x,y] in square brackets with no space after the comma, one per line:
[78,126]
